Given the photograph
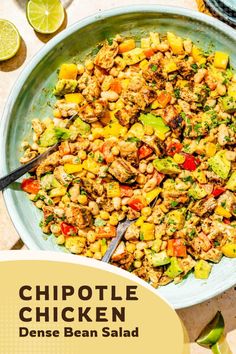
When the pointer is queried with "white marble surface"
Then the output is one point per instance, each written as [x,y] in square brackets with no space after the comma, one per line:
[195,317]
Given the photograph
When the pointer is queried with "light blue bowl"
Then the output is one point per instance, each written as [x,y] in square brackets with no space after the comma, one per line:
[32,95]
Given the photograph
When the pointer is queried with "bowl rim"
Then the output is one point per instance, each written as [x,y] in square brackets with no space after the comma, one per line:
[17,86]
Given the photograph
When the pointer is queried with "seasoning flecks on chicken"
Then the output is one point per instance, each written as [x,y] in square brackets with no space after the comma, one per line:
[91,112]
[106,55]
[123,171]
[78,215]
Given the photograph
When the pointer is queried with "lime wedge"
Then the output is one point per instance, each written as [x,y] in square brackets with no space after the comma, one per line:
[212,332]
[45,16]
[9,40]
[221,347]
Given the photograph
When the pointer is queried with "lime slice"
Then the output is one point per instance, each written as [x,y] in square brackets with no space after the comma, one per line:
[221,347]
[9,40]
[212,332]
[45,16]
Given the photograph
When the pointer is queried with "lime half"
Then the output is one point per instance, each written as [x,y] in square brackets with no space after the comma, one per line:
[221,347]
[45,16]
[9,40]
[212,332]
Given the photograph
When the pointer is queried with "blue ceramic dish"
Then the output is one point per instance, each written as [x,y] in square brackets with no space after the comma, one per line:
[32,96]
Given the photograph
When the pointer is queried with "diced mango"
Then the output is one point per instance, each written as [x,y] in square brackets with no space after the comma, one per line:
[57,192]
[134,56]
[74,98]
[127,46]
[219,210]
[197,55]
[229,250]
[170,66]
[68,71]
[125,83]
[147,231]
[232,90]
[176,43]
[113,189]
[91,166]
[150,196]
[70,168]
[155,39]
[210,149]
[145,43]
[137,130]
[140,221]
[221,60]
[144,64]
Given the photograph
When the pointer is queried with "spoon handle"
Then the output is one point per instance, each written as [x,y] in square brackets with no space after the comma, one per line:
[20,171]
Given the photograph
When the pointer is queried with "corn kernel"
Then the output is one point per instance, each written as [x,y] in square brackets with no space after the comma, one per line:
[56,113]
[113,220]
[60,240]
[140,221]
[104,215]
[83,199]
[89,254]
[80,69]
[178,158]
[138,254]
[137,264]
[89,64]
[65,199]
[91,236]
[146,211]
[130,247]
[155,104]
[124,208]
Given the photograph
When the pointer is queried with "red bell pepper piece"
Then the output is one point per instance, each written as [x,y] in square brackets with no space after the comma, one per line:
[218,191]
[174,148]
[149,52]
[126,191]
[144,151]
[226,221]
[30,185]
[164,98]
[68,230]
[191,163]
[136,204]
[106,151]
[176,248]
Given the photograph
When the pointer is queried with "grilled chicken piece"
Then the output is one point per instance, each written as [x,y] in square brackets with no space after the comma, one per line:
[78,215]
[132,232]
[89,86]
[93,188]
[129,151]
[66,109]
[106,55]
[127,114]
[213,255]
[119,253]
[62,176]
[204,206]
[123,171]
[91,112]
[48,164]
[229,199]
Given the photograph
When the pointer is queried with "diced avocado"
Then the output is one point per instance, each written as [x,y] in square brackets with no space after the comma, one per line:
[84,128]
[202,269]
[197,192]
[228,104]
[158,259]
[48,138]
[48,182]
[174,269]
[155,122]
[65,86]
[166,166]
[156,246]
[62,133]
[176,218]
[220,165]
[231,184]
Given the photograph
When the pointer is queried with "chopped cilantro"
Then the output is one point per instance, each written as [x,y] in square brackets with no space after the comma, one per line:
[177,92]
[174,203]
[154,68]
[49,219]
